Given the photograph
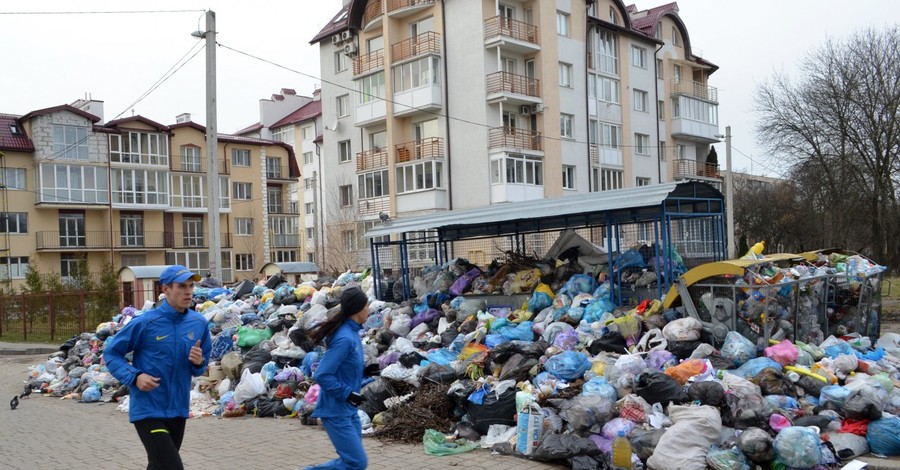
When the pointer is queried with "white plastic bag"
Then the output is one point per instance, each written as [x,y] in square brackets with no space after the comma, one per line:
[683,329]
[686,443]
[250,387]
[224,387]
[497,433]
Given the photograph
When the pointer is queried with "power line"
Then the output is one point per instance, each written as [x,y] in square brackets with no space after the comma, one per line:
[765,167]
[107,12]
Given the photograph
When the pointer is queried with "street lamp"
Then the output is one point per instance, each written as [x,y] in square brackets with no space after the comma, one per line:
[729,194]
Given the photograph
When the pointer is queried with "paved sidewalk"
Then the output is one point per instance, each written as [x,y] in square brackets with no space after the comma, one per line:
[27,349]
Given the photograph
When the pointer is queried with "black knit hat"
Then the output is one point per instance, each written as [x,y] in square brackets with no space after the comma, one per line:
[353,300]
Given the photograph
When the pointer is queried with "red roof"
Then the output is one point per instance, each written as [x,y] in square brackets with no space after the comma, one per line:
[9,141]
[125,121]
[251,128]
[308,111]
[62,107]
[647,23]
[335,25]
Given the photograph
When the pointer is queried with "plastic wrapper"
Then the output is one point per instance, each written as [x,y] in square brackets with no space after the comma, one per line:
[634,408]
[683,329]
[644,443]
[687,369]
[661,360]
[436,444]
[754,366]
[726,459]
[798,447]
[737,348]
[756,444]
[629,326]
[834,396]
[778,422]
[568,365]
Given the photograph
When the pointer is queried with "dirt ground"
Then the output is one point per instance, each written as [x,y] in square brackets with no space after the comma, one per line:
[890,315]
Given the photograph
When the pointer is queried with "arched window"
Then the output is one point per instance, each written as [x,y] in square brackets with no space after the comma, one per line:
[676,38]
[613,16]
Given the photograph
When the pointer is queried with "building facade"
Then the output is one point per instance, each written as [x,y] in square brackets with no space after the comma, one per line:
[431,105]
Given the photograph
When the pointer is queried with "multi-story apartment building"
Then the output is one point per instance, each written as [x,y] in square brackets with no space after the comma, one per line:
[134,192]
[432,105]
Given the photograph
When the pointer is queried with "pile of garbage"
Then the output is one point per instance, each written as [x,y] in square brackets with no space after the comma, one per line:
[554,377]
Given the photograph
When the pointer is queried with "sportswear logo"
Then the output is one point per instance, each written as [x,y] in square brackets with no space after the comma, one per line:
[160,338]
[191,335]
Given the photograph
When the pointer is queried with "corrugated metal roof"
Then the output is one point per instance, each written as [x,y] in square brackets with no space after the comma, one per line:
[146,272]
[545,214]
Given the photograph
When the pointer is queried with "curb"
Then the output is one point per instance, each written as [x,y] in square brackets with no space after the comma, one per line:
[27,351]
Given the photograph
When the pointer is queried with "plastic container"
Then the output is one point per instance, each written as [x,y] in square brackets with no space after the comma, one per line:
[621,452]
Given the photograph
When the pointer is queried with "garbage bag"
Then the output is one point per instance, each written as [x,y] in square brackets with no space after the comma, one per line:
[493,410]
[756,444]
[564,446]
[747,411]
[754,366]
[783,353]
[611,429]
[645,443]
[707,393]
[686,443]
[271,407]
[585,414]
[461,284]
[221,346]
[687,369]
[539,301]
[256,358]
[579,284]
[726,459]
[683,329]
[600,387]
[656,387]
[682,349]
[834,396]
[863,405]
[610,342]
[251,386]
[737,348]
[436,444]
[848,445]
[231,364]
[884,436]
[249,337]
[773,382]
[798,447]
[568,365]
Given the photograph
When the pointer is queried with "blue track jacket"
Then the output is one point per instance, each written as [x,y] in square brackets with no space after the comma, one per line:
[340,372]
[161,340]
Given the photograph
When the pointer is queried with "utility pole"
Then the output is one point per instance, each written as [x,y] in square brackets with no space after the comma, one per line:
[212,145]
[729,195]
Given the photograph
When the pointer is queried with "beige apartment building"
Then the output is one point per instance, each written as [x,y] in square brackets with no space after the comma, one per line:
[134,192]
[431,105]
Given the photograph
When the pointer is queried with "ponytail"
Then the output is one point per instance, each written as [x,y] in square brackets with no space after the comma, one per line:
[323,330]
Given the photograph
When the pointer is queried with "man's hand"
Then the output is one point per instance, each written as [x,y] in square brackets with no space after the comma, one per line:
[355,399]
[196,356]
[146,382]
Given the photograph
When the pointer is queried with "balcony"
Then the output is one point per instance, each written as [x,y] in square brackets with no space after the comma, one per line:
[513,89]
[404,8]
[371,160]
[194,240]
[427,149]
[692,169]
[502,138]
[139,241]
[78,241]
[191,203]
[602,156]
[371,62]
[695,90]
[425,43]
[696,131]
[279,173]
[511,34]
[284,240]
[372,15]
[282,209]
[196,164]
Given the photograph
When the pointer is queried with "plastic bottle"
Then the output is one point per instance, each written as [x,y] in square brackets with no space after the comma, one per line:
[621,452]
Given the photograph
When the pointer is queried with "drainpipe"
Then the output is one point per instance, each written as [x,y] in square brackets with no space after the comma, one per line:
[656,96]
[587,106]
[446,83]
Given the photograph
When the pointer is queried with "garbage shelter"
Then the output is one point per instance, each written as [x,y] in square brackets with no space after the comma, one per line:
[293,271]
[676,225]
[140,284]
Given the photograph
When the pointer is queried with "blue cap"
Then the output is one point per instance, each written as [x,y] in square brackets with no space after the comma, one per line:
[177,273]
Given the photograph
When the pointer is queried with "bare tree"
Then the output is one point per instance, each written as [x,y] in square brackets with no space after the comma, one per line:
[837,129]
[344,246]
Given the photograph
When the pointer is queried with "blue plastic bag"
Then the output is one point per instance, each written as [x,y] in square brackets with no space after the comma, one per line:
[603,291]
[600,387]
[568,365]
[834,394]
[884,436]
[493,340]
[269,371]
[442,356]
[309,362]
[754,366]
[737,348]
[580,284]
[521,332]
[838,349]
[539,301]
[783,402]
[630,258]
[798,446]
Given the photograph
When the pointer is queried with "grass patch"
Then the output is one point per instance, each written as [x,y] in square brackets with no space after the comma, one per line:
[890,287]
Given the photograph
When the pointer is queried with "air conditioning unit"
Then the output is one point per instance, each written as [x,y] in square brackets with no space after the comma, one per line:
[336,39]
[346,35]
[525,109]
[351,49]
[537,108]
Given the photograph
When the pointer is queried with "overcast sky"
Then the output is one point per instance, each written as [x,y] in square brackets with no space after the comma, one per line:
[54,59]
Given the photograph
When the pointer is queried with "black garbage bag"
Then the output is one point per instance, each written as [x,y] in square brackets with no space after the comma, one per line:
[274,281]
[449,335]
[750,411]
[862,406]
[461,390]
[465,431]
[586,462]
[756,444]
[610,342]
[299,337]
[812,387]
[411,359]
[517,367]
[584,414]
[256,358]
[374,394]
[720,363]
[270,407]
[69,344]
[564,446]
[439,374]
[493,410]
[656,387]
[774,382]
[682,349]
[242,289]
[645,443]
[707,392]
[813,420]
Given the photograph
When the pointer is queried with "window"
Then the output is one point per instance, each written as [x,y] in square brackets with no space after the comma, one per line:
[640,100]
[309,208]
[70,142]
[641,181]
[243,262]
[371,87]
[307,158]
[284,231]
[677,70]
[134,260]
[190,158]
[139,147]
[565,75]
[240,157]
[284,256]
[198,261]
[243,226]
[140,186]
[341,61]
[131,230]
[243,191]
[566,122]
[610,179]
[639,57]
[344,154]
[12,178]
[418,73]
[307,184]
[306,132]
[342,105]
[274,200]
[310,234]
[518,169]
[694,109]
[660,70]
[608,51]
[347,195]
[568,176]
[274,169]
[679,151]
[373,184]
[662,150]
[676,38]
[608,90]
[420,176]
[642,144]
[661,109]
[68,264]
[613,16]
[73,183]
[192,231]
[284,134]
[348,239]
[71,230]
[562,23]
[13,267]
[658,33]
[13,222]
[610,135]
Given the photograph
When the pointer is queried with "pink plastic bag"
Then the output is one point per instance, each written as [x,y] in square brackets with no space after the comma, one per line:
[783,353]
[312,395]
[778,422]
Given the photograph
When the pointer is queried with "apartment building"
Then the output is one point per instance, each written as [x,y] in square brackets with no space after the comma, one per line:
[134,192]
[432,105]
